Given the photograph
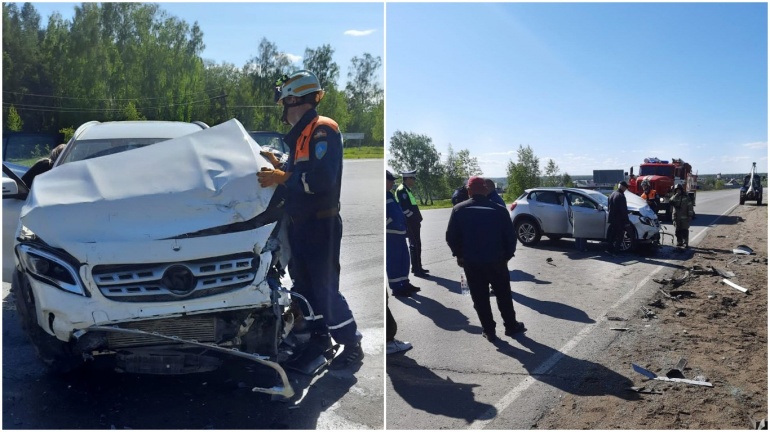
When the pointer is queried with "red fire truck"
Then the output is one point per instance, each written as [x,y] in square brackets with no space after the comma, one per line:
[662,176]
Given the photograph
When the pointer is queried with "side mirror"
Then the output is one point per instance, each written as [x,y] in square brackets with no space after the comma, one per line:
[10,187]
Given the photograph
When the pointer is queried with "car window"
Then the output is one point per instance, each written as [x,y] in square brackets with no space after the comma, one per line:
[579,200]
[548,197]
[272,140]
[89,149]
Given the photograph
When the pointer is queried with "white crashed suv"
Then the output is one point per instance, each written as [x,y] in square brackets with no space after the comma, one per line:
[167,257]
[558,212]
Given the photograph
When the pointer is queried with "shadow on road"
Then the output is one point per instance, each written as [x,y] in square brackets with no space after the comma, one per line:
[443,317]
[424,390]
[521,276]
[569,374]
[553,309]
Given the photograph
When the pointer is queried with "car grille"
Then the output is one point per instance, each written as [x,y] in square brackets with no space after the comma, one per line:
[153,282]
[201,329]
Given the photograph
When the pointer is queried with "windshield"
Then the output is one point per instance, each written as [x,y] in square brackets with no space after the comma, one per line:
[89,149]
[269,139]
[597,196]
[659,170]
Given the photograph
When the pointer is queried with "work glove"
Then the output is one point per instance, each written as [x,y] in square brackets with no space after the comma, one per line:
[268,177]
[270,156]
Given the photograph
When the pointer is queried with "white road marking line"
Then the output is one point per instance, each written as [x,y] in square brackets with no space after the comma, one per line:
[544,367]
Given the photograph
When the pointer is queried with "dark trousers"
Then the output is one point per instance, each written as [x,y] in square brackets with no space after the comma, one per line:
[315,270]
[390,324]
[396,261]
[480,277]
[415,245]
[615,234]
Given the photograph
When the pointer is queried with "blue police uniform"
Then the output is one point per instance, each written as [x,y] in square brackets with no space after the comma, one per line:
[413,223]
[315,226]
[397,253]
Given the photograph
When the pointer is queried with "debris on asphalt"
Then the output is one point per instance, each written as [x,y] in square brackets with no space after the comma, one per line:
[736,286]
[743,250]
[678,370]
[550,261]
[646,313]
[680,313]
[680,294]
[651,375]
[628,263]
[614,318]
[758,424]
[657,303]
[620,328]
[643,390]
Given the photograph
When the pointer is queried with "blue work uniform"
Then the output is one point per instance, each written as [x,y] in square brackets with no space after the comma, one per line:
[396,251]
[413,224]
[315,226]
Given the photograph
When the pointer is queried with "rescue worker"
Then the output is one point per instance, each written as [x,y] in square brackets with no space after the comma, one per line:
[313,177]
[650,195]
[682,213]
[482,238]
[42,166]
[413,220]
[492,192]
[396,251]
[618,216]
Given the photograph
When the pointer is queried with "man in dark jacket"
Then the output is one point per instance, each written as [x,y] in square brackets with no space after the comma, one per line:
[618,216]
[481,236]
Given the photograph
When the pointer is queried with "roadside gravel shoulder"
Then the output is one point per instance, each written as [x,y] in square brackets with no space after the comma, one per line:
[720,331]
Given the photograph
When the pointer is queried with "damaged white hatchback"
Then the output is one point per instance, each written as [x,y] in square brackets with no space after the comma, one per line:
[167,258]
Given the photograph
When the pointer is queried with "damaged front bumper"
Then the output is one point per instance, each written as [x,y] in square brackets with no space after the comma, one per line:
[284,389]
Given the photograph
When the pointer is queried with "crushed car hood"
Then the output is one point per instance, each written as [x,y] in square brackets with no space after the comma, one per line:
[199,181]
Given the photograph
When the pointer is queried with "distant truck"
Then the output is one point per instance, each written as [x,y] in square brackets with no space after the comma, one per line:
[608,178]
[662,176]
[752,187]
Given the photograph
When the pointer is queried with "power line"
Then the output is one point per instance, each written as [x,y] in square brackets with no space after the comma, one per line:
[90,99]
[44,108]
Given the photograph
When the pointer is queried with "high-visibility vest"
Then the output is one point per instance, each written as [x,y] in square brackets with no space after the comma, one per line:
[302,151]
[652,194]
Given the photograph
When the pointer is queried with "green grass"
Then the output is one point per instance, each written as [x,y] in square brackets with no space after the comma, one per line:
[26,162]
[437,204]
[364,153]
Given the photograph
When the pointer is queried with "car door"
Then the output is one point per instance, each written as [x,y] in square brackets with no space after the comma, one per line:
[587,218]
[548,207]
[14,197]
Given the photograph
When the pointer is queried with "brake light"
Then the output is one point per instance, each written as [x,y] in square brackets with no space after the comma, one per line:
[513,206]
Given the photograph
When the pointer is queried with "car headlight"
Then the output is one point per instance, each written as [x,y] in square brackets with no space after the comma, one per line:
[645,220]
[47,266]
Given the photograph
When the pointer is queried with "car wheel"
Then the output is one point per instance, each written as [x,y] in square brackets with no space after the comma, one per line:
[759,201]
[528,232]
[742,200]
[55,354]
[629,239]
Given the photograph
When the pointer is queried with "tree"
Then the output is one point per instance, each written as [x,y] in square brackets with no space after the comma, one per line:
[413,151]
[459,167]
[524,174]
[14,120]
[566,180]
[551,174]
[364,94]
[319,61]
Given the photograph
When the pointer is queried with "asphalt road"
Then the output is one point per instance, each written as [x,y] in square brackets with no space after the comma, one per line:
[35,399]
[455,379]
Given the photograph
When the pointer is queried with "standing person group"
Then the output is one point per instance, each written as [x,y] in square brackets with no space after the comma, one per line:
[313,178]
[482,238]
[682,214]
[413,220]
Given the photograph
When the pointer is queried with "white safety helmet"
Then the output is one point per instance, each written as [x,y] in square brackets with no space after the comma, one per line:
[299,83]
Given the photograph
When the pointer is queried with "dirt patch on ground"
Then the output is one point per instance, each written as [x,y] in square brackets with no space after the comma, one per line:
[720,331]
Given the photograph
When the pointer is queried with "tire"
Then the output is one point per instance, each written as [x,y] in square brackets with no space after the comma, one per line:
[759,201]
[743,200]
[629,239]
[55,354]
[554,237]
[527,232]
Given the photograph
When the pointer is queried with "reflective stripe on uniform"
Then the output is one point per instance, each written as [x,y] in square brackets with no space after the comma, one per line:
[388,220]
[480,208]
[307,186]
[408,213]
[341,324]
[401,279]
[387,231]
[317,317]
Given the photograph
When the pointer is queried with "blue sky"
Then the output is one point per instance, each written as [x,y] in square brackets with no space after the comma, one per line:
[232,31]
[591,86]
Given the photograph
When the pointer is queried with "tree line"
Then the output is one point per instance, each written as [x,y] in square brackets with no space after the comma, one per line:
[438,177]
[132,61]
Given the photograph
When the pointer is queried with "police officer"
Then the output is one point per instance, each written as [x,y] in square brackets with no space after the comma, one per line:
[413,219]
[396,251]
[313,176]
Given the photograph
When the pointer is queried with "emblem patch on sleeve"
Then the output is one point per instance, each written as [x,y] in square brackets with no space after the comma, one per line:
[320,149]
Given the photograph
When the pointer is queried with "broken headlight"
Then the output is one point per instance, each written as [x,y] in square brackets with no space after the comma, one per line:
[45,265]
[645,220]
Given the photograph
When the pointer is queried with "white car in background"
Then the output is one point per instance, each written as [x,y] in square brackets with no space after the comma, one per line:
[558,212]
[166,258]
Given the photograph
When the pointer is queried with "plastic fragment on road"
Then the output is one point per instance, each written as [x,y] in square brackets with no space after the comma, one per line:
[643,390]
[620,328]
[743,250]
[652,376]
[736,286]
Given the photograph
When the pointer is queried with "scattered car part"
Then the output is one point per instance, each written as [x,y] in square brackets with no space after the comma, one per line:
[736,286]
[652,376]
